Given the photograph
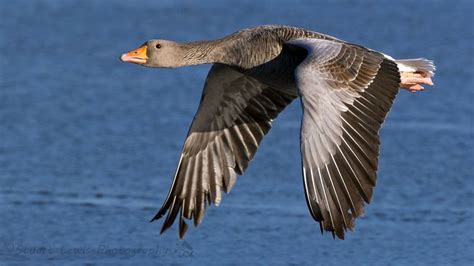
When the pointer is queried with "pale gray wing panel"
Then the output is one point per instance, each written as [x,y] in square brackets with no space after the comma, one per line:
[346,93]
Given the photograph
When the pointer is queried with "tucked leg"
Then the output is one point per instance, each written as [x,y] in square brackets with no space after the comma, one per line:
[412,80]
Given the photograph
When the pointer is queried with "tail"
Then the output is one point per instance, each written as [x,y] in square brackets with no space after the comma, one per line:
[417,65]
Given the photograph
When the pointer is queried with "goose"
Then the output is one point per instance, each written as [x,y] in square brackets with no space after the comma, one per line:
[346,91]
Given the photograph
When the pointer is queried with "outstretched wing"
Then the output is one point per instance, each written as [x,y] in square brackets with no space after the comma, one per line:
[346,92]
[235,112]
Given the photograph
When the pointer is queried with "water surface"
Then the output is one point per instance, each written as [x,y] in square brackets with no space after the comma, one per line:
[88,145]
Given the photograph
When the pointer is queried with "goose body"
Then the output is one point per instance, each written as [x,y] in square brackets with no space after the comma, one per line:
[346,91]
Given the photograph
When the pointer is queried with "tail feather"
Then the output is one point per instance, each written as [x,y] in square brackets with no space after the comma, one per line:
[417,65]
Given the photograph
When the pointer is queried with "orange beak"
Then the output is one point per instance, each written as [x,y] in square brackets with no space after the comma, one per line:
[137,56]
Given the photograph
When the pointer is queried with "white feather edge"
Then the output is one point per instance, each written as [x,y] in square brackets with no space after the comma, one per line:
[414,65]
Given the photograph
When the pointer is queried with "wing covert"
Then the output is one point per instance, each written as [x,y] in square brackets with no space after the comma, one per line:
[235,113]
[346,92]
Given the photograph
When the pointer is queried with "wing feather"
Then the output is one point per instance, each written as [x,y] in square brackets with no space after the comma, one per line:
[235,113]
[346,93]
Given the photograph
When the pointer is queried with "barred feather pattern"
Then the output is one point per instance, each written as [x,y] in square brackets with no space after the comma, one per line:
[346,92]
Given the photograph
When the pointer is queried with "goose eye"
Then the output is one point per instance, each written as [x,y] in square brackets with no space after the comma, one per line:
[158,46]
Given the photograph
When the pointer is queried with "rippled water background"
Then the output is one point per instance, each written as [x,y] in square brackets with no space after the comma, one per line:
[88,145]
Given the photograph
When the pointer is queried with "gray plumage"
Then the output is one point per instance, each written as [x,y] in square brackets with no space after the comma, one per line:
[346,91]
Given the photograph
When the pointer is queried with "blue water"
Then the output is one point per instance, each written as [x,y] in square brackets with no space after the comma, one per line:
[88,145]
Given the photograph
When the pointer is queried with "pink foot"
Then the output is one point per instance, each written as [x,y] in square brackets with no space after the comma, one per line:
[412,81]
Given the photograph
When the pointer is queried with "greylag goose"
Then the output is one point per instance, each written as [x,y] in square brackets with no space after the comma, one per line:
[346,91]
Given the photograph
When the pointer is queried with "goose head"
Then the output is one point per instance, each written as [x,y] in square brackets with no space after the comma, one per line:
[157,53]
